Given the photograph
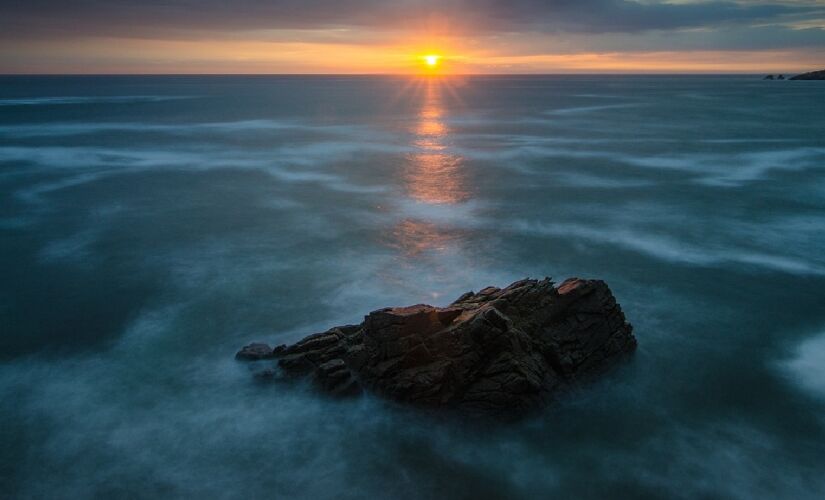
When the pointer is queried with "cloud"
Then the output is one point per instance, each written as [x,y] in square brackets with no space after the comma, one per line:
[374,36]
[54,18]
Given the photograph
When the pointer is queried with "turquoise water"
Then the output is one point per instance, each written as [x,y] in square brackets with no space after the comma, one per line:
[150,226]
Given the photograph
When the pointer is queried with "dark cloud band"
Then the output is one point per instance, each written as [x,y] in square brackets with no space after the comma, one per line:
[58,18]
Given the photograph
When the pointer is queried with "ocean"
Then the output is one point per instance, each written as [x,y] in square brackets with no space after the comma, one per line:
[151,226]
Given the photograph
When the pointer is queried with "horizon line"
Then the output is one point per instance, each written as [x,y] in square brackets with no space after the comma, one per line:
[618,73]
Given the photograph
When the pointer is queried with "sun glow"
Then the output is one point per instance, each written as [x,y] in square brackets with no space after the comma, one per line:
[431,63]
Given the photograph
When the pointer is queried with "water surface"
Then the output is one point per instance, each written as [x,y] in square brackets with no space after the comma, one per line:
[150,226]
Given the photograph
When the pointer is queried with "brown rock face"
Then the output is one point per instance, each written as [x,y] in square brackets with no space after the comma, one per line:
[496,351]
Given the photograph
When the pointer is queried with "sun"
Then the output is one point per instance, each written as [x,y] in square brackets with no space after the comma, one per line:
[431,63]
[432,60]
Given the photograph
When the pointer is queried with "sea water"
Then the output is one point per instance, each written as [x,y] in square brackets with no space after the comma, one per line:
[151,226]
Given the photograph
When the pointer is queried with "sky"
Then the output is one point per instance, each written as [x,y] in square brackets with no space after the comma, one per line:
[386,36]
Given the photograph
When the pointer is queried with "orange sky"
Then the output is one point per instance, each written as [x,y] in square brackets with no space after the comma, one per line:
[242,56]
[319,36]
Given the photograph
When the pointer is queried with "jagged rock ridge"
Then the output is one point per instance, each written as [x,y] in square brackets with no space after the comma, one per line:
[499,350]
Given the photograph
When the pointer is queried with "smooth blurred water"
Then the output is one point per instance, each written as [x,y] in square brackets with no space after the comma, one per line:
[150,226]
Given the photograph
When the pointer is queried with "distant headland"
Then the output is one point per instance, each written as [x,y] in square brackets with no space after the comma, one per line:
[813,75]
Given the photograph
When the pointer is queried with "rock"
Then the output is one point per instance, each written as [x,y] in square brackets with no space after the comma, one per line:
[814,75]
[498,351]
[256,351]
[780,77]
[769,77]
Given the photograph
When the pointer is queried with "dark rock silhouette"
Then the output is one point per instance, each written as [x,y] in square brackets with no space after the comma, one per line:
[498,351]
[256,351]
[814,75]
[780,77]
[769,77]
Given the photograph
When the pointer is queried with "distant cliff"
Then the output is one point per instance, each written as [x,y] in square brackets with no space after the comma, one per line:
[813,75]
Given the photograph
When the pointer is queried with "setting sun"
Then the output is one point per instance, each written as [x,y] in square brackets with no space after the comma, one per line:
[432,60]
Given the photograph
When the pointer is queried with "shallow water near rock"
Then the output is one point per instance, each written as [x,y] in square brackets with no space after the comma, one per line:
[150,226]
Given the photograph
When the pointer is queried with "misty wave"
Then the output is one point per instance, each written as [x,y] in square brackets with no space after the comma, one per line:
[89,164]
[806,366]
[187,444]
[63,100]
[727,459]
[592,181]
[591,109]
[240,127]
[720,170]
[75,248]
[736,170]
[670,249]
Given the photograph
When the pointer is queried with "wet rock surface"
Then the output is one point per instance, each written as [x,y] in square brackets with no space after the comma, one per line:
[505,350]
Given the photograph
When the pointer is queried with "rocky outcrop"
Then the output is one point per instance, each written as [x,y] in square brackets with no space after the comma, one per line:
[814,75]
[496,351]
[257,351]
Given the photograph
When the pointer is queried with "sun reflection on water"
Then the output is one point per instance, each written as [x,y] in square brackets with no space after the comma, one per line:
[415,236]
[428,236]
[435,174]
[433,224]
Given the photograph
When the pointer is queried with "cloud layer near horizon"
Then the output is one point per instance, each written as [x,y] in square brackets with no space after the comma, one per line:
[515,28]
